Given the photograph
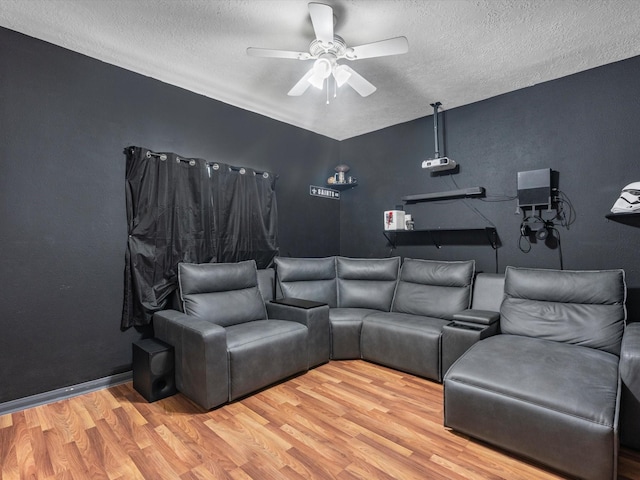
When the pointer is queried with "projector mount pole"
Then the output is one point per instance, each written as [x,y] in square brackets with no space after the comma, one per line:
[435,127]
[438,164]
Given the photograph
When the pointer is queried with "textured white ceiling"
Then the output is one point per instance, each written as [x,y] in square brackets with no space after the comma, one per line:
[459,51]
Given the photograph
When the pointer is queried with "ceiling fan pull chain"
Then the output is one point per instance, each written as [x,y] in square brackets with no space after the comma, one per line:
[335,88]
[327,90]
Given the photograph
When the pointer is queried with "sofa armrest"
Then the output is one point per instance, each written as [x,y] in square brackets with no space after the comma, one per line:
[630,358]
[201,364]
[483,317]
[315,318]
[630,376]
[458,337]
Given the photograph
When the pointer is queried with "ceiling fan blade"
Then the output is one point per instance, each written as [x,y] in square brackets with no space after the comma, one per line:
[322,20]
[358,83]
[391,46]
[270,53]
[302,85]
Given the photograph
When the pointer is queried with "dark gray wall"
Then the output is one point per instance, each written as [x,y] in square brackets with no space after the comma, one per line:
[64,122]
[65,119]
[585,126]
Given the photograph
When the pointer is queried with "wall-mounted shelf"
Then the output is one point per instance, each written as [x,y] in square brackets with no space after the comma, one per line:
[433,197]
[342,186]
[632,219]
[439,237]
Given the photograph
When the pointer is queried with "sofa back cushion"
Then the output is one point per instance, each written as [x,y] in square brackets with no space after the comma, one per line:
[267,283]
[434,288]
[488,292]
[222,293]
[578,307]
[367,282]
[308,278]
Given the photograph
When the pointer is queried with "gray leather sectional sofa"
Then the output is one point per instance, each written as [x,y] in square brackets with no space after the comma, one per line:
[536,374]
[386,312]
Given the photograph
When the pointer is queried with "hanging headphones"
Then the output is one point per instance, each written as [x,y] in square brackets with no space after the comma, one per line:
[525,233]
[533,229]
[545,231]
[527,227]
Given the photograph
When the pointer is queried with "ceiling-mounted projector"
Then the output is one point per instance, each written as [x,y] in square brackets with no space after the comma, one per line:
[439,164]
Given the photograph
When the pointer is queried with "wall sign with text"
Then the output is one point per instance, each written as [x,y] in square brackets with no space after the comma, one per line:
[324,192]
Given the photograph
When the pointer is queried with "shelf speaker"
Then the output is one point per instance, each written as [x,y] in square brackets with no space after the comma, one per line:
[153,369]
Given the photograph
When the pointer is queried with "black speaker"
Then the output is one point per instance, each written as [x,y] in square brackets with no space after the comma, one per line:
[153,369]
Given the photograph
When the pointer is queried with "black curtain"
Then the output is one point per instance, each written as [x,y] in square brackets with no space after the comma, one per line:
[183,209]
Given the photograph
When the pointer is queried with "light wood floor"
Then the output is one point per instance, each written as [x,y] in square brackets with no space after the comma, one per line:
[342,420]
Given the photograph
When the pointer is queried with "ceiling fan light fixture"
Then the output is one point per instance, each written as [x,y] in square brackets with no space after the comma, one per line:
[317,82]
[321,71]
[341,74]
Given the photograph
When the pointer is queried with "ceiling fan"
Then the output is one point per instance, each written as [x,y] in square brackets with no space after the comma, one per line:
[327,48]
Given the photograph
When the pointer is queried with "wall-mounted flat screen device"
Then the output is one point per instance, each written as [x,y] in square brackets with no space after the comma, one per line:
[536,188]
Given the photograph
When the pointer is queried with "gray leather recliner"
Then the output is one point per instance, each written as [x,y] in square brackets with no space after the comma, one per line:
[352,287]
[409,337]
[392,314]
[225,344]
[547,387]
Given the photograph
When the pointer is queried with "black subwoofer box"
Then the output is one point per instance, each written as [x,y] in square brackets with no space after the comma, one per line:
[153,369]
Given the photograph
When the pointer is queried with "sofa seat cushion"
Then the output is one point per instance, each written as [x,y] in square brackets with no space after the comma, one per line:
[406,342]
[346,325]
[553,402]
[263,352]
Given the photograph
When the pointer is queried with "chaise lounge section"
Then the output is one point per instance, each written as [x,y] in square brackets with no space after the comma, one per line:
[547,387]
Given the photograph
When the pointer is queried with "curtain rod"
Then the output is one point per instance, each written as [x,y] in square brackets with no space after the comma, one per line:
[163,157]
